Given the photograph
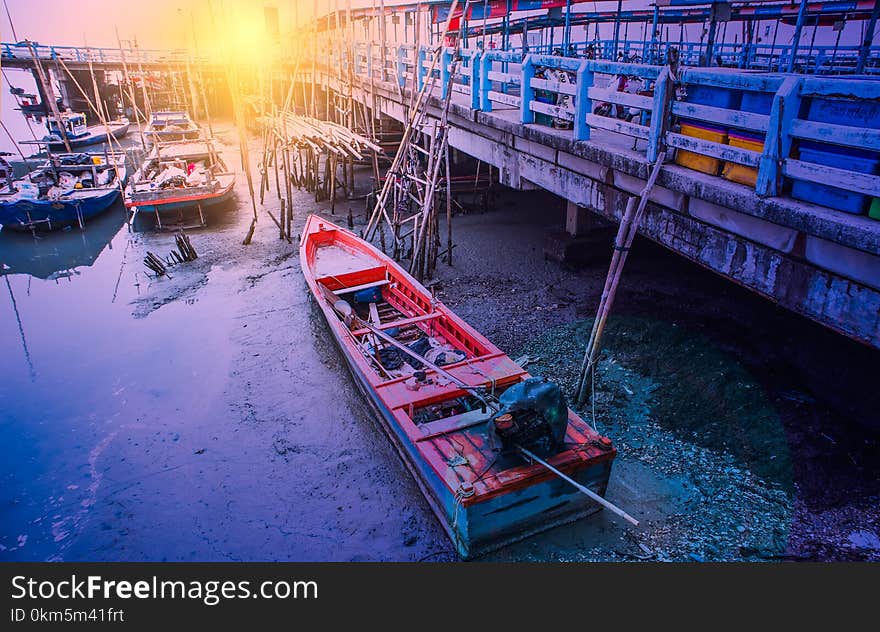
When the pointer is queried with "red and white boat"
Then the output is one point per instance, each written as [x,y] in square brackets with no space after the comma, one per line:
[180,175]
[459,416]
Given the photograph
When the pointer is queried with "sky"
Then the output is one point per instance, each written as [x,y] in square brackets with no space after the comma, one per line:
[165,24]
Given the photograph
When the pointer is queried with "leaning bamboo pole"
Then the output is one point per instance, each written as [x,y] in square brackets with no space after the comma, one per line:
[148,108]
[49,94]
[95,108]
[626,232]
[130,85]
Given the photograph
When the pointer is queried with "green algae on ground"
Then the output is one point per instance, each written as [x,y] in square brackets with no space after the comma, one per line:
[694,389]
[673,401]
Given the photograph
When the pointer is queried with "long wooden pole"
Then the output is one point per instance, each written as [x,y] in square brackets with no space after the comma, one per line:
[147,105]
[584,490]
[95,108]
[128,81]
[49,94]
[626,233]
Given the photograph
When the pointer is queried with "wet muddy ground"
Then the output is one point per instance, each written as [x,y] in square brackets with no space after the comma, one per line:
[209,417]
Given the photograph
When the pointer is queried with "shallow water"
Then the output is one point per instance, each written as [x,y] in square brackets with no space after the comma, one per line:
[204,416]
[81,368]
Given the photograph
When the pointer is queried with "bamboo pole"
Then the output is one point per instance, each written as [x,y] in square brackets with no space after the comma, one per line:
[147,104]
[448,212]
[110,137]
[584,490]
[49,94]
[128,81]
[626,233]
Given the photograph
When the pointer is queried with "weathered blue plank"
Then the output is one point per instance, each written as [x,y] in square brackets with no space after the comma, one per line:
[859,89]
[777,145]
[732,80]
[839,178]
[727,118]
[860,137]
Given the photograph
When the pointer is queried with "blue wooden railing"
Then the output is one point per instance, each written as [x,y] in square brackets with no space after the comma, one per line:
[467,74]
[547,90]
[96,55]
[508,83]
[406,63]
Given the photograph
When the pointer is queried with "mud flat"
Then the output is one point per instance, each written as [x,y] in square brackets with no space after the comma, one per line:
[209,417]
[744,431]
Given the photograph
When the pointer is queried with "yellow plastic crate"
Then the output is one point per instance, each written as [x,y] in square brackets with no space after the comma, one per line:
[698,162]
[741,173]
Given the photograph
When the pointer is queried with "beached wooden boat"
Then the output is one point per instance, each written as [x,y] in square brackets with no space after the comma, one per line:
[450,416]
[180,175]
[65,190]
[167,126]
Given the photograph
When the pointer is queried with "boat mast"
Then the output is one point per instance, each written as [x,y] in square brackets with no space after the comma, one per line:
[128,80]
[48,94]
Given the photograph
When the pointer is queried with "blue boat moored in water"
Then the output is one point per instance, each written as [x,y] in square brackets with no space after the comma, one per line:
[78,133]
[66,190]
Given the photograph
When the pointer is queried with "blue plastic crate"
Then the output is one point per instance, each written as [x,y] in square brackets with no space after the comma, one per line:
[757,102]
[843,112]
[832,197]
[727,98]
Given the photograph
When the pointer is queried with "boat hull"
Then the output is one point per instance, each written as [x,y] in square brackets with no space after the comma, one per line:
[179,203]
[478,518]
[25,214]
[92,138]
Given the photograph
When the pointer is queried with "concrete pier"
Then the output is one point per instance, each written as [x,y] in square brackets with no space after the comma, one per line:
[818,262]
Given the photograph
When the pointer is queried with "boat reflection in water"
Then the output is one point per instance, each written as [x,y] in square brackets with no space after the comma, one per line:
[58,254]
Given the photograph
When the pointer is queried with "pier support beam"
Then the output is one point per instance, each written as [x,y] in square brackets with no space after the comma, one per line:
[578,219]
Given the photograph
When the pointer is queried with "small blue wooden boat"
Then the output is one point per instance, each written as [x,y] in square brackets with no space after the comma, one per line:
[79,134]
[67,189]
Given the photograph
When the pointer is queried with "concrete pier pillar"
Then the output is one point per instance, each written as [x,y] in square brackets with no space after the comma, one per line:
[578,219]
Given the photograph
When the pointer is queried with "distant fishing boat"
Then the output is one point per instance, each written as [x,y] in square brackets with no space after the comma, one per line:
[180,175]
[30,105]
[66,189]
[170,126]
[79,134]
[461,414]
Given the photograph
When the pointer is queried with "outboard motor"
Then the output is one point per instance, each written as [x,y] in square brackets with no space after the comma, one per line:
[533,414]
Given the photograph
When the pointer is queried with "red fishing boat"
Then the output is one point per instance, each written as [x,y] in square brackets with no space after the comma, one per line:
[495,451]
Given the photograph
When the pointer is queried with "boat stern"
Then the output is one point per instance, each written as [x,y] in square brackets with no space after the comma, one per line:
[480,526]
